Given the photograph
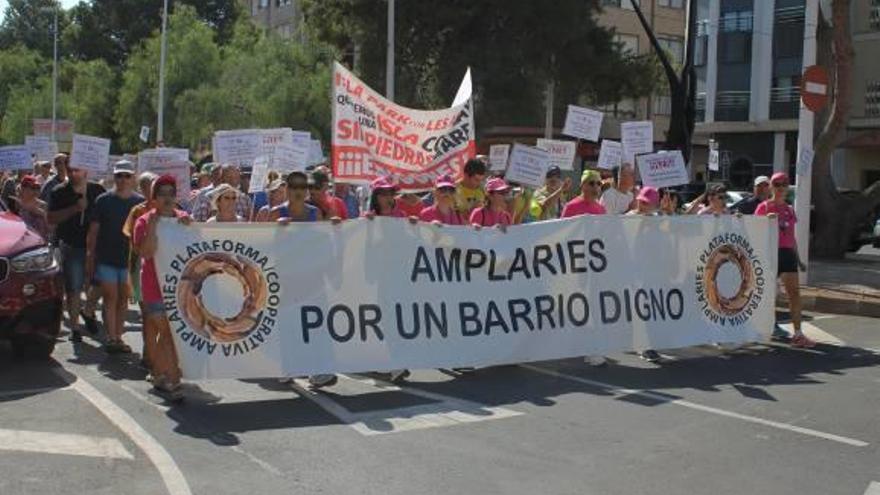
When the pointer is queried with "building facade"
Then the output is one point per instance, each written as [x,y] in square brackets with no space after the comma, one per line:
[749,64]
[281,16]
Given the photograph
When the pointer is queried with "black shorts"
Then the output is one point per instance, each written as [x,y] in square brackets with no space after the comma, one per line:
[788,261]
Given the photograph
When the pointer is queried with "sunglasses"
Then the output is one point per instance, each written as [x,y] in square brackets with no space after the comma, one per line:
[594,183]
[300,187]
[229,198]
[780,184]
[122,176]
[447,190]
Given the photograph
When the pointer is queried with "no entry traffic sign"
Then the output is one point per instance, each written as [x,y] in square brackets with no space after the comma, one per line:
[815,88]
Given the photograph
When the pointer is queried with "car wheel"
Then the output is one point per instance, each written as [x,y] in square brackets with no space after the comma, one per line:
[32,349]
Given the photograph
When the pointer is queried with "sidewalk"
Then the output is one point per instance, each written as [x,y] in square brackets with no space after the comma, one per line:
[850,286]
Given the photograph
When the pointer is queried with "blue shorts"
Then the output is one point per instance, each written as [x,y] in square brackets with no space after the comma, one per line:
[154,308]
[73,265]
[109,274]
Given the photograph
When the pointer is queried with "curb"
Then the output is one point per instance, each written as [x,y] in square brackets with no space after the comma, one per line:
[830,302]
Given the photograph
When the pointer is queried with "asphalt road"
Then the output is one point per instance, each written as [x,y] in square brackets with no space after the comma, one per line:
[768,419]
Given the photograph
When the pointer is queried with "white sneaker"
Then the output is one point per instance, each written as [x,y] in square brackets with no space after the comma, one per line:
[596,361]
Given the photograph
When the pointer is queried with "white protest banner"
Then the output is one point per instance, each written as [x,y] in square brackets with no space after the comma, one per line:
[714,159]
[15,157]
[239,147]
[527,166]
[90,153]
[259,174]
[390,295]
[145,134]
[289,157]
[374,137]
[664,169]
[498,154]
[561,153]
[610,154]
[805,162]
[42,148]
[583,123]
[180,170]
[637,138]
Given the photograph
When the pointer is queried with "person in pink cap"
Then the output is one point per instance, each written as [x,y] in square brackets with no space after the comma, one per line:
[382,203]
[647,202]
[443,211]
[494,211]
[788,257]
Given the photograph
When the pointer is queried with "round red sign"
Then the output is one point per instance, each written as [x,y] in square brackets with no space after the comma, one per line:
[815,88]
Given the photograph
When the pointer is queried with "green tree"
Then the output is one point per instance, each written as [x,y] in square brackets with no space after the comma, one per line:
[515,47]
[113,29]
[30,23]
[19,65]
[90,98]
[27,101]
[193,59]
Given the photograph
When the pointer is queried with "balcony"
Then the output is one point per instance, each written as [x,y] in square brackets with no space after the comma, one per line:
[785,102]
[732,106]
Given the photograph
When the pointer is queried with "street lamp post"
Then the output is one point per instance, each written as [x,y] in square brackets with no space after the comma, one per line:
[54,71]
[389,60]
[161,111]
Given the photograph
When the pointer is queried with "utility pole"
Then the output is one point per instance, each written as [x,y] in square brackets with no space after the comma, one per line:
[160,127]
[389,57]
[55,73]
[806,123]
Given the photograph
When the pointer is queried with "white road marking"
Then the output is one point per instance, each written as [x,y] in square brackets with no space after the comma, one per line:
[699,407]
[873,489]
[62,443]
[30,391]
[175,482]
[815,333]
[446,411]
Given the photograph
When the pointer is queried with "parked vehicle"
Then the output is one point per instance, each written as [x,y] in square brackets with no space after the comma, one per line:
[30,289]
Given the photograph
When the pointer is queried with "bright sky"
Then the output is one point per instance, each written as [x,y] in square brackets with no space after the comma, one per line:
[64,3]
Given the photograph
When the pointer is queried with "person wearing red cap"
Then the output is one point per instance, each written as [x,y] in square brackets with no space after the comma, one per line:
[382,202]
[788,257]
[164,368]
[647,202]
[27,205]
[443,211]
[494,212]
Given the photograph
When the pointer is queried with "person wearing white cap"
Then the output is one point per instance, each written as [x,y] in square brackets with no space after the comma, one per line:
[747,206]
[107,251]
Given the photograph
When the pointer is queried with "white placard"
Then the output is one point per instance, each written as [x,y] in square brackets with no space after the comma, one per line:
[498,155]
[145,134]
[527,166]
[664,169]
[15,157]
[610,154]
[805,162]
[237,147]
[289,157]
[149,159]
[316,154]
[637,138]
[259,174]
[181,172]
[583,123]
[608,286]
[561,153]
[42,148]
[714,159]
[90,153]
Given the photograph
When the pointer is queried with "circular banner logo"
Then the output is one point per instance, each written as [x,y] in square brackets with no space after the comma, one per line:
[730,280]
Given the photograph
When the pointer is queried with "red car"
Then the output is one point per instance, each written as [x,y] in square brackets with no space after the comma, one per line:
[31,289]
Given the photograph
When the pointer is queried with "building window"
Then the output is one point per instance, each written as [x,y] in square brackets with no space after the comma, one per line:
[672,4]
[283,3]
[735,48]
[662,105]
[874,16]
[872,99]
[673,46]
[262,4]
[630,43]
[785,97]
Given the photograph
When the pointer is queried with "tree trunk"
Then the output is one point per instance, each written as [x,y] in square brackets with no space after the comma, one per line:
[836,216]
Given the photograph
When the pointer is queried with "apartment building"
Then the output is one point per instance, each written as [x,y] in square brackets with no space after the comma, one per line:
[281,16]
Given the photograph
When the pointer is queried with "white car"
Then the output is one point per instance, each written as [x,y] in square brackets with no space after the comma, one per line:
[877,233]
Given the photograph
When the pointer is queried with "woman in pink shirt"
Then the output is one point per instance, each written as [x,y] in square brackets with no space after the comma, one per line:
[788,257]
[494,212]
[442,212]
[382,202]
[587,203]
